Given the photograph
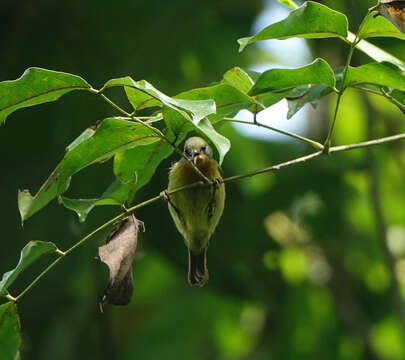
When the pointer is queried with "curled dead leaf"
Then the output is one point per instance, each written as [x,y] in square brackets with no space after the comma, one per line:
[118,254]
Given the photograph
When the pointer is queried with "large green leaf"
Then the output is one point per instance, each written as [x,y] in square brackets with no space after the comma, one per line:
[377,74]
[139,164]
[379,27]
[238,78]
[312,20]
[318,72]
[10,338]
[29,254]
[36,86]
[111,136]
[191,110]
[116,194]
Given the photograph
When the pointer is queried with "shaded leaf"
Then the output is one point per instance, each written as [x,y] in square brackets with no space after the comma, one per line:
[116,194]
[111,136]
[191,110]
[312,95]
[10,337]
[318,72]
[377,74]
[118,254]
[379,27]
[29,254]
[139,164]
[310,21]
[36,86]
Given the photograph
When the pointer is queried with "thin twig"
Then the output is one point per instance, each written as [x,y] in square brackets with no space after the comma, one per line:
[313,143]
[327,142]
[200,183]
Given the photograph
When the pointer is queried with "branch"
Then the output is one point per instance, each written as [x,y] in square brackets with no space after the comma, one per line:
[313,143]
[203,184]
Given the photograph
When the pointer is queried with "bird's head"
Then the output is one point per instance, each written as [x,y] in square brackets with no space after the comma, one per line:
[197,150]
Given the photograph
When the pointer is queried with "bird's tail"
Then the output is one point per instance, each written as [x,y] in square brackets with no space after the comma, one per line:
[197,268]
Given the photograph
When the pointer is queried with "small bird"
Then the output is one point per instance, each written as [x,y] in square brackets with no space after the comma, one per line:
[196,211]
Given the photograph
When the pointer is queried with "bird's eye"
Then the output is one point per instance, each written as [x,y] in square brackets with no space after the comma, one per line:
[203,148]
[187,152]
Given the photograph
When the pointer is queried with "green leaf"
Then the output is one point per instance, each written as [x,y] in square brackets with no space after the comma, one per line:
[377,74]
[29,254]
[36,86]
[111,136]
[310,21]
[139,164]
[238,78]
[228,99]
[10,337]
[311,96]
[116,194]
[379,27]
[191,110]
[318,72]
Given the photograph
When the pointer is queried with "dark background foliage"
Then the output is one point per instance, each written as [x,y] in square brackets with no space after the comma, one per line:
[297,264]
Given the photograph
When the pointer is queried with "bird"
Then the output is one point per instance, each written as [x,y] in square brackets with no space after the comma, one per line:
[196,211]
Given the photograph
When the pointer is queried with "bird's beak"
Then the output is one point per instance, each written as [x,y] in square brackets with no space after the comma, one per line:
[194,156]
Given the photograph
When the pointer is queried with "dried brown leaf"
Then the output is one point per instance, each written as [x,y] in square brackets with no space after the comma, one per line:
[118,254]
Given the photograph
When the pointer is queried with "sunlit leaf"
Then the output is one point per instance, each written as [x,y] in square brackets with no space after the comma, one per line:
[192,110]
[318,72]
[379,27]
[111,136]
[10,337]
[238,78]
[29,254]
[36,86]
[377,74]
[312,20]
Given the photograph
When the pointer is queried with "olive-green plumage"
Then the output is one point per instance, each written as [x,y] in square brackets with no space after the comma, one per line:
[196,211]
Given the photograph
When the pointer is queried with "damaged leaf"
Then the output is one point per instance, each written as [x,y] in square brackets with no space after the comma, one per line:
[118,254]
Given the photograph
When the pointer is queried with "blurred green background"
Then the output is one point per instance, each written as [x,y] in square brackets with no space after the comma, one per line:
[298,265]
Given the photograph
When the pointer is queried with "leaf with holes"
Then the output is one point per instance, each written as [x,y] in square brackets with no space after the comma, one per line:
[36,86]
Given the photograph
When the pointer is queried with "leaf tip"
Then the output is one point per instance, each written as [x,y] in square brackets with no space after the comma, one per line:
[243,42]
